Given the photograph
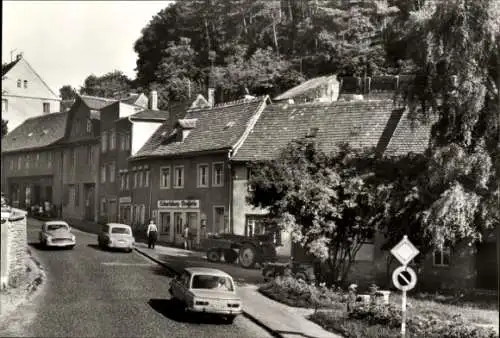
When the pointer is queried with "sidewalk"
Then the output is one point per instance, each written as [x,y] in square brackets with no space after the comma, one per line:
[281,320]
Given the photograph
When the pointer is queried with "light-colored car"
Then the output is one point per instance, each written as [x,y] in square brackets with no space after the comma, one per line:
[57,234]
[207,290]
[116,236]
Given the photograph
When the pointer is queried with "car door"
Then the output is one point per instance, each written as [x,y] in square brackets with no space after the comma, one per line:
[183,285]
[42,229]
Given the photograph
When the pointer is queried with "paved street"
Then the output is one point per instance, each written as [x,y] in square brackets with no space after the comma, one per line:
[93,293]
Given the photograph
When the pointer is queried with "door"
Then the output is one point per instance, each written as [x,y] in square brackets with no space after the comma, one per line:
[48,194]
[112,211]
[89,202]
[487,266]
[219,219]
[165,223]
[192,223]
[178,226]
[37,194]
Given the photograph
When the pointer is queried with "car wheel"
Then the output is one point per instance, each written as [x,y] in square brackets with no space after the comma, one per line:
[71,247]
[248,256]
[213,255]
[230,319]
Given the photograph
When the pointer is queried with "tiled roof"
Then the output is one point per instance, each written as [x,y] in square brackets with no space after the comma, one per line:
[409,136]
[305,87]
[217,128]
[97,103]
[148,114]
[36,132]
[359,123]
[9,66]
[187,123]
[131,99]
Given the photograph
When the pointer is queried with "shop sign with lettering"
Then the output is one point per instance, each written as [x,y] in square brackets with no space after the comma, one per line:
[179,204]
[125,199]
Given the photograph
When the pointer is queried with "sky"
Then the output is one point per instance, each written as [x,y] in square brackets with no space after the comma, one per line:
[66,41]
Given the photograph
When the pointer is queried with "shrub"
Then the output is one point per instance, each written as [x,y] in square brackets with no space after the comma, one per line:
[387,315]
[298,293]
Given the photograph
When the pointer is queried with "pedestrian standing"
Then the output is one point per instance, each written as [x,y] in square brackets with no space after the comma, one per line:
[152,234]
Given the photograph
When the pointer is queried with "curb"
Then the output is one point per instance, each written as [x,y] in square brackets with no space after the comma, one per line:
[244,313]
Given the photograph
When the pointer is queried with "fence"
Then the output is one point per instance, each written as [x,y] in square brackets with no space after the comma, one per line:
[13,247]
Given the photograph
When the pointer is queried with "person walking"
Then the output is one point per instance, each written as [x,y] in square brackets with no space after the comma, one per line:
[186,238]
[152,234]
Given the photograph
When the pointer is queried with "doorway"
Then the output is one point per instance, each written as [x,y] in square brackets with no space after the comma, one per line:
[178,227]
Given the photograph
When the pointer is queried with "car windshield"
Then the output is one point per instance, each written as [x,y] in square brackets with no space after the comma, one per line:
[55,226]
[210,282]
[118,230]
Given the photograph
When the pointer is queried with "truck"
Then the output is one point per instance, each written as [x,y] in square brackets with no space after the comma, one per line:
[248,251]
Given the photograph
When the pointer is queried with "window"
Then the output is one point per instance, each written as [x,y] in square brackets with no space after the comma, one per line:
[19,162]
[165,177]
[25,83]
[74,159]
[112,140]
[141,178]
[103,207]
[122,181]
[90,154]
[89,126]
[122,141]
[179,177]
[202,175]
[12,164]
[104,142]
[441,257]
[18,83]
[27,164]
[146,178]
[127,181]
[111,172]
[5,105]
[37,161]
[135,178]
[77,194]
[125,141]
[46,107]
[218,170]
[49,160]
[219,220]
[249,176]
[103,174]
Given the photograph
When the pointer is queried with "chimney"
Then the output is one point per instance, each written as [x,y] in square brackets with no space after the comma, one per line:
[153,100]
[19,56]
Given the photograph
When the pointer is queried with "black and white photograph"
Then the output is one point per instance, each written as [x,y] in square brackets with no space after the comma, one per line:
[250,169]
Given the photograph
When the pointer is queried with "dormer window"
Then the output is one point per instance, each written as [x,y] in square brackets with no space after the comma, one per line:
[25,83]
[312,132]
[184,127]
[19,83]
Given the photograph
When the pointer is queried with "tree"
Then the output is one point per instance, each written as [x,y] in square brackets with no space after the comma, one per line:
[456,47]
[67,92]
[111,85]
[321,199]
[5,129]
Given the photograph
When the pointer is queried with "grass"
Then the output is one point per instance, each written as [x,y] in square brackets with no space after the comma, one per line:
[433,310]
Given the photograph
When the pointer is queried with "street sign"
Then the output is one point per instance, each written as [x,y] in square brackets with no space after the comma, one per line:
[404,251]
[404,278]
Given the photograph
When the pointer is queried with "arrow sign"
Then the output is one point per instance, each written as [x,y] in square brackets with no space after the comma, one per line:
[404,251]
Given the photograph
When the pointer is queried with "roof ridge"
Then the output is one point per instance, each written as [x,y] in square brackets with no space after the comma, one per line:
[98,98]
[230,103]
[333,103]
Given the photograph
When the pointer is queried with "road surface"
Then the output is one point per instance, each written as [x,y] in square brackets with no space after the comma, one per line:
[95,293]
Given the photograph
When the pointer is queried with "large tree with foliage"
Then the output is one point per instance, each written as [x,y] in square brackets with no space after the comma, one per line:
[456,47]
[111,85]
[67,92]
[324,200]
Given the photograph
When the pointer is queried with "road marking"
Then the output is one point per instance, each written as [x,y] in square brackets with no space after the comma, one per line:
[125,264]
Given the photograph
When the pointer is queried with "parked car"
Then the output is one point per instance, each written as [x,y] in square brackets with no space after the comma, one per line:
[117,236]
[207,290]
[57,234]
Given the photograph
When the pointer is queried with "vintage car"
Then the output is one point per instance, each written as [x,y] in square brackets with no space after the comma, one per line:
[116,236]
[57,234]
[207,290]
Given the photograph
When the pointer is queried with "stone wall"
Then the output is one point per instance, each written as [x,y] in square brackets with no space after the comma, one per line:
[13,247]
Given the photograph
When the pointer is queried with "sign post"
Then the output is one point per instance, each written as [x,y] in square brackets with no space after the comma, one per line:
[404,277]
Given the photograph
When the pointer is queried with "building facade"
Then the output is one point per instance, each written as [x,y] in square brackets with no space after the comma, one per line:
[32,162]
[189,169]
[25,94]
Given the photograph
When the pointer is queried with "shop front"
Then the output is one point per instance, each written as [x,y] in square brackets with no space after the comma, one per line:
[125,210]
[173,217]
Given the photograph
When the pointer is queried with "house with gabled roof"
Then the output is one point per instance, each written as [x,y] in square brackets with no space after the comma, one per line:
[32,161]
[190,172]
[25,94]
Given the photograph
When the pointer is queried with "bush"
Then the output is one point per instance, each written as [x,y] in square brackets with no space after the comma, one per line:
[298,293]
[387,315]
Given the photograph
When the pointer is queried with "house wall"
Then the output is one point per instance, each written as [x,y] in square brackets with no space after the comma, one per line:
[13,247]
[41,169]
[22,102]
[141,132]
[202,211]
